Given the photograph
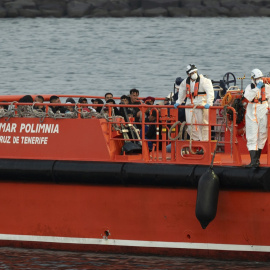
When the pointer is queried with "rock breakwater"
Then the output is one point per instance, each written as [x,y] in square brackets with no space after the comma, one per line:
[133,8]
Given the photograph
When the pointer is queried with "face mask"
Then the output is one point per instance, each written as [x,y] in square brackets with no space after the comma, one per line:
[260,80]
[194,76]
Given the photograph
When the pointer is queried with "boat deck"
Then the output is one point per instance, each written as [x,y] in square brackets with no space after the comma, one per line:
[48,136]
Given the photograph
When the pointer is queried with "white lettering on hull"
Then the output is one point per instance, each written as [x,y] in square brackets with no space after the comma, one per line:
[26,128]
[39,128]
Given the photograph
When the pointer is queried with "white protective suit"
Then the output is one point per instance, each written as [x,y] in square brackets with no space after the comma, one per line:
[256,118]
[200,116]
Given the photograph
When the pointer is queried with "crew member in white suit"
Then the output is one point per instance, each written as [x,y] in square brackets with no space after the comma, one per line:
[199,91]
[258,95]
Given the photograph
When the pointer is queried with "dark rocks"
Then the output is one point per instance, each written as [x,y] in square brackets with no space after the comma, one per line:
[52,8]
[179,12]
[29,13]
[155,12]
[152,4]
[76,8]
[133,8]
[3,12]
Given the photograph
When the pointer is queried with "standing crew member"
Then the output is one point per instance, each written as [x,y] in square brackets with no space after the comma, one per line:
[197,90]
[258,94]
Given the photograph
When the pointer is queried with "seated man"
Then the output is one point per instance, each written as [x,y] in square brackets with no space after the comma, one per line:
[114,109]
[25,109]
[133,100]
[39,99]
[59,109]
[83,100]
[108,96]
[125,100]
[148,101]
[97,101]
[69,109]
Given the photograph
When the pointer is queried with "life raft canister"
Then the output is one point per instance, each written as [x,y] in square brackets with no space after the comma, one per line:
[196,88]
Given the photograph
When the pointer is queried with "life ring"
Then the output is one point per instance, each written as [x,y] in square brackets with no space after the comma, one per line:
[227,99]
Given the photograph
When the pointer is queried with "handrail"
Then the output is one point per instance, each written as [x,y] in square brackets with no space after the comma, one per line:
[11,98]
[164,120]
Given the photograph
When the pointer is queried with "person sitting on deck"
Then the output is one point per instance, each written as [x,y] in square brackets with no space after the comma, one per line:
[124,100]
[108,96]
[148,101]
[59,109]
[26,99]
[70,109]
[83,100]
[115,110]
[166,101]
[133,100]
[39,99]
[25,109]
[97,101]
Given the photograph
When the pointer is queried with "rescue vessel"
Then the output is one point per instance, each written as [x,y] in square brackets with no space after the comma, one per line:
[89,182]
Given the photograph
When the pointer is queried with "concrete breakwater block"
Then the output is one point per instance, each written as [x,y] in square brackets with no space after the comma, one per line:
[133,8]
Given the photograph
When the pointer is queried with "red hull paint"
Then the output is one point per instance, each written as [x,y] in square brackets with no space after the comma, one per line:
[137,219]
[166,215]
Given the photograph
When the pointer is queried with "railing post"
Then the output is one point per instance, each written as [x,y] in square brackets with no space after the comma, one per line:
[236,154]
[174,118]
[163,113]
[145,151]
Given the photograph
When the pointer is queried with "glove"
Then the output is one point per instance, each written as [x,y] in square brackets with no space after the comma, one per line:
[206,106]
[176,105]
[259,85]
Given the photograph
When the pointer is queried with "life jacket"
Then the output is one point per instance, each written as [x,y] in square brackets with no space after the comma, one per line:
[196,88]
[262,98]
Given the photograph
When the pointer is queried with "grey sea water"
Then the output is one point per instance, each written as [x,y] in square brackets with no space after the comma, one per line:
[94,56]
[11,258]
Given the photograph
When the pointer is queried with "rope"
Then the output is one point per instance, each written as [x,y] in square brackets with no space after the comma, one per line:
[180,133]
[114,125]
[38,113]
[7,113]
[54,115]
[30,111]
[191,132]
[24,110]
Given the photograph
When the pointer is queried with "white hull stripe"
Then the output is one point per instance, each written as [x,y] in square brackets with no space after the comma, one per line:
[133,243]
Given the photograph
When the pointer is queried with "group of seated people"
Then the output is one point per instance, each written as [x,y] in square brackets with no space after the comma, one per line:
[125,112]
[131,99]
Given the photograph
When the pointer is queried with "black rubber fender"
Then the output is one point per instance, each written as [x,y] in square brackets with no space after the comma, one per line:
[207,197]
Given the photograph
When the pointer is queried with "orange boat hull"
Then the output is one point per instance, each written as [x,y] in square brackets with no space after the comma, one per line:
[65,184]
[136,219]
